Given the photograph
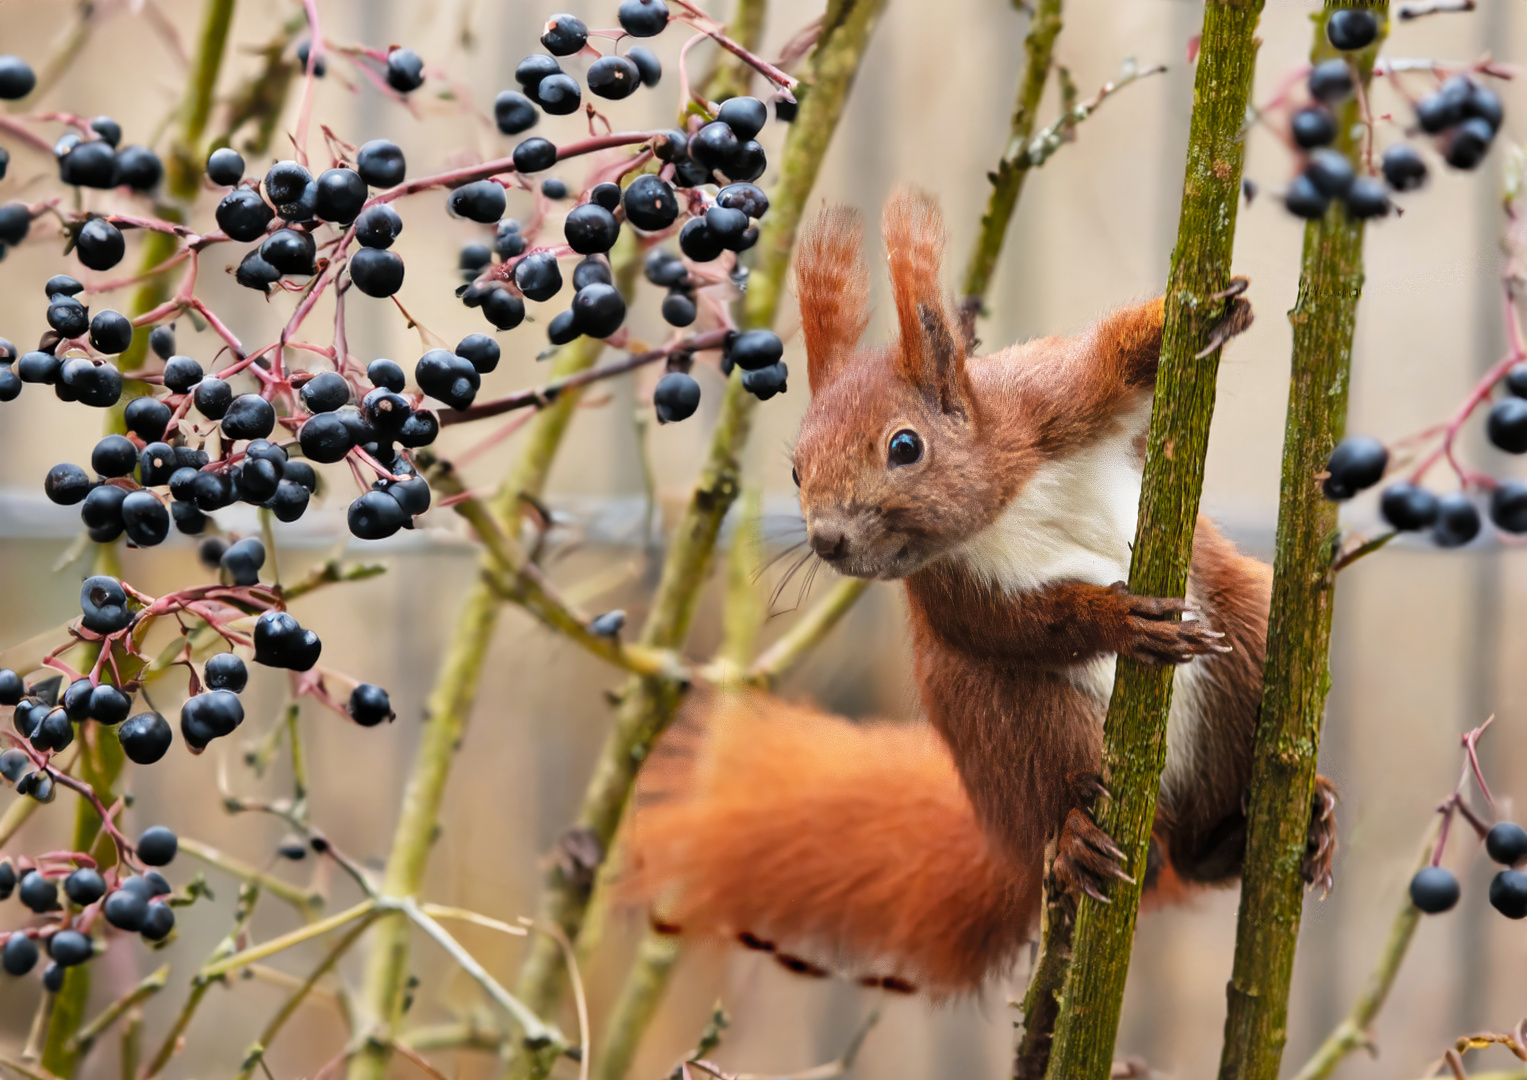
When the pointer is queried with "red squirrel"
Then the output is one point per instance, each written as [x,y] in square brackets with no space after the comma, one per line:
[1003,491]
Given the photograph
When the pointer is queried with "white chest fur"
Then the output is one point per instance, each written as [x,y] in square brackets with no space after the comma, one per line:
[1075,521]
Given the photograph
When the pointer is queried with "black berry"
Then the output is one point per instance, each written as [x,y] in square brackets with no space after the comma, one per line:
[643,18]
[370,705]
[1508,894]
[679,309]
[1506,425]
[514,112]
[676,397]
[16,78]
[1403,167]
[534,154]
[145,738]
[157,846]
[1352,28]
[537,276]
[324,438]
[1408,507]
[375,516]
[100,245]
[325,392]
[19,955]
[381,163]
[1506,843]
[598,310]
[145,519]
[38,893]
[613,77]
[1434,890]
[647,63]
[84,887]
[503,309]
[1508,506]
[767,381]
[212,397]
[242,562]
[249,416]
[479,349]
[376,272]
[225,166]
[754,350]
[1367,198]
[378,227]
[341,194]
[1468,143]
[1457,520]
[650,203]
[448,377]
[1358,462]
[481,201]
[243,215]
[564,35]
[405,70]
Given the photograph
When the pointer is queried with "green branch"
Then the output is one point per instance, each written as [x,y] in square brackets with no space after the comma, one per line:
[1296,674]
[1134,739]
[648,704]
[1007,180]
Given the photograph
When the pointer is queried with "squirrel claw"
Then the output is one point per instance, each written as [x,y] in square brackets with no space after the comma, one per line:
[1153,634]
[1320,843]
[1086,857]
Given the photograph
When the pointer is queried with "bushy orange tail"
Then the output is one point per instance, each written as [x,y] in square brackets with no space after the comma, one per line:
[830,843]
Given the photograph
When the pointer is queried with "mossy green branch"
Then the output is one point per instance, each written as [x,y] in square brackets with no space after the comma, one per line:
[1134,743]
[648,704]
[1296,674]
[1007,179]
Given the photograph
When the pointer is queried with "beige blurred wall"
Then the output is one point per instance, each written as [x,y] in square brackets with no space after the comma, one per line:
[1427,643]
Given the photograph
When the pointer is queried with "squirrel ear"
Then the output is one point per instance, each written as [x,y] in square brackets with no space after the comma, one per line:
[931,356]
[832,284]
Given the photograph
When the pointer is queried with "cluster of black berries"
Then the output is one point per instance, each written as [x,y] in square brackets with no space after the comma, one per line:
[543,83]
[1435,889]
[1327,174]
[95,160]
[138,904]
[1359,462]
[303,201]
[1462,115]
[89,380]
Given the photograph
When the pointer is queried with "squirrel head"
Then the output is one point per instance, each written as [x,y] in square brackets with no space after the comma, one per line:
[891,461]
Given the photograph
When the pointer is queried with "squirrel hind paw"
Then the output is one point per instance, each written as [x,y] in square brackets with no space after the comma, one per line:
[1086,858]
[1320,841]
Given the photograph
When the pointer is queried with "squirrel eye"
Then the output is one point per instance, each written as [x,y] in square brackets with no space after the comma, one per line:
[906,448]
[795,474]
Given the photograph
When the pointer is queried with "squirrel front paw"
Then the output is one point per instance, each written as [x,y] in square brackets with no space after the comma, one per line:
[1153,636]
[1086,858]
[1320,843]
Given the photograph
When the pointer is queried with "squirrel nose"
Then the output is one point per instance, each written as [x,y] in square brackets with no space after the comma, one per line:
[828,541]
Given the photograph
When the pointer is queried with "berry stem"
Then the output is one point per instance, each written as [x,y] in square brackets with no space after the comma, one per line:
[542,396]
[309,78]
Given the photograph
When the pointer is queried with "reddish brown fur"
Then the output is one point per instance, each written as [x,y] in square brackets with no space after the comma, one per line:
[851,842]
[813,831]
[833,286]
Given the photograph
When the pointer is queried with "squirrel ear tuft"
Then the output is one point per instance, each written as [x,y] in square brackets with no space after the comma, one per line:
[832,284]
[931,356]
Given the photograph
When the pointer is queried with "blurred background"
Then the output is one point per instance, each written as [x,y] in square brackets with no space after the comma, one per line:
[1425,640]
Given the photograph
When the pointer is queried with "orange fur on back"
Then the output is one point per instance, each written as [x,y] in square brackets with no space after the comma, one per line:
[851,844]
